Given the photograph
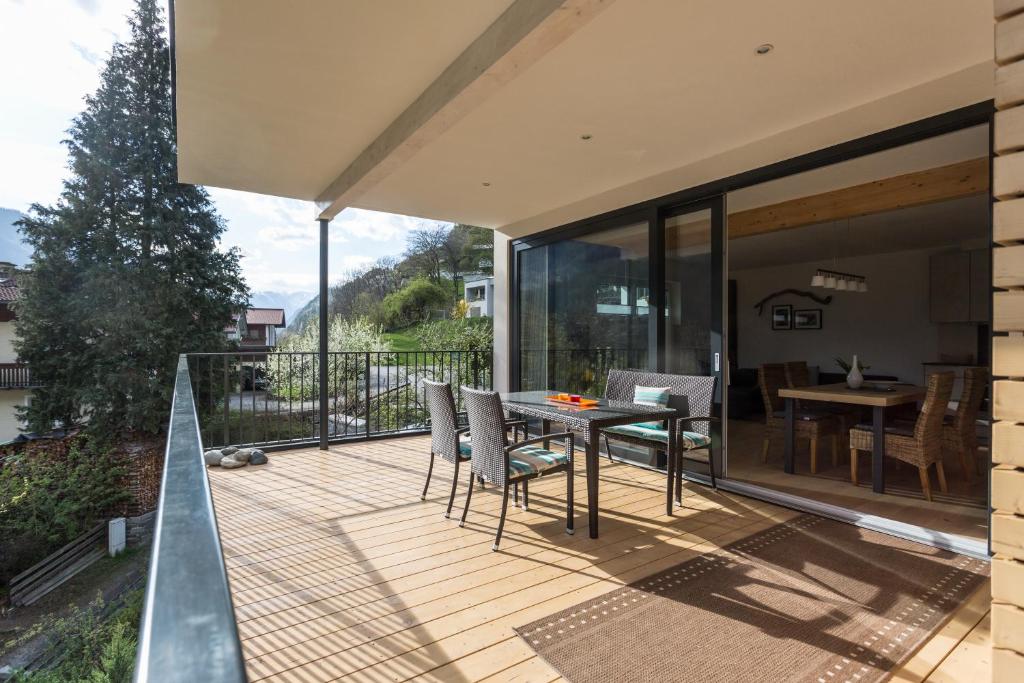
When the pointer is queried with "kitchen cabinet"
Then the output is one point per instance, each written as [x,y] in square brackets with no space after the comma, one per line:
[960,286]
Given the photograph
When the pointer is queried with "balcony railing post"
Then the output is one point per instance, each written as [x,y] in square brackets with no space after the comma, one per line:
[227,408]
[322,358]
[366,396]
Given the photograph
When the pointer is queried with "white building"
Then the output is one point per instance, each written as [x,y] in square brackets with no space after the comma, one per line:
[479,295]
[15,382]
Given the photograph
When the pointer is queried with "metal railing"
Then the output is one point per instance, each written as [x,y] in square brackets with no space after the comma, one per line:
[272,398]
[187,631]
[15,376]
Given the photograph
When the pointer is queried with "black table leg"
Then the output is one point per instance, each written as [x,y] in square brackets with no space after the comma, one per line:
[592,474]
[790,437]
[878,450]
[545,428]
[671,465]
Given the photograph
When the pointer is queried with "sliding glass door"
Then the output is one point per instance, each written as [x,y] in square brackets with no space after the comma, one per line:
[642,292]
[583,308]
[690,332]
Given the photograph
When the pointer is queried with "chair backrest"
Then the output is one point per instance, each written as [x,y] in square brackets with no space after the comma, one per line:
[698,390]
[797,374]
[771,377]
[975,380]
[443,425]
[489,438]
[929,422]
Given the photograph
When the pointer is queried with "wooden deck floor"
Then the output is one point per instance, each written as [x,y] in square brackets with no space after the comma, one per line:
[339,571]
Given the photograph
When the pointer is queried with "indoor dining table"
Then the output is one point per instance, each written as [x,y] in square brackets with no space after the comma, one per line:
[877,395]
[589,421]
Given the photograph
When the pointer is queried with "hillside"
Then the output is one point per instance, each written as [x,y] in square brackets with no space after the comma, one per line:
[12,248]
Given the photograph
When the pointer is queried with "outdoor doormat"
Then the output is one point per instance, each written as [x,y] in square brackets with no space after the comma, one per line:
[809,600]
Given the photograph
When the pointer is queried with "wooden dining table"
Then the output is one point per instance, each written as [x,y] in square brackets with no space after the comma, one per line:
[589,421]
[878,396]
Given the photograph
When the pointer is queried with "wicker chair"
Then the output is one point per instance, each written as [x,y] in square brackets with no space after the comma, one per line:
[504,464]
[918,444]
[798,375]
[809,423]
[446,435]
[692,395]
[959,431]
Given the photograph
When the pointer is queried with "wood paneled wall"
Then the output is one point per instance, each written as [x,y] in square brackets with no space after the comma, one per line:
[1008,347]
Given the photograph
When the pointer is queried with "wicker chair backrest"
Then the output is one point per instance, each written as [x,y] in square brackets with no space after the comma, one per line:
[929,422]
[973,392]
[771,377]
[444,440]
[487,425]
[697,390]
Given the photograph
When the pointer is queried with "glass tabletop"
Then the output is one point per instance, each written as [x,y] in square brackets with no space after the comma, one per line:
[537,402]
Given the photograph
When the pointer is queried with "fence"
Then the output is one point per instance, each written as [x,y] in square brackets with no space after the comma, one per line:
[58,567]
[265,399]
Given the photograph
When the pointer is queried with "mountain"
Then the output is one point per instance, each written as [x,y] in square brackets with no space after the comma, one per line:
[304,314]
[12,248]
[289,301]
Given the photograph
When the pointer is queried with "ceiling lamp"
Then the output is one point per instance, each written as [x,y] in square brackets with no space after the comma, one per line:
[843,282]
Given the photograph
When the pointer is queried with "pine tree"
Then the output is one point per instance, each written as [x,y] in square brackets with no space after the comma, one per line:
[127,272]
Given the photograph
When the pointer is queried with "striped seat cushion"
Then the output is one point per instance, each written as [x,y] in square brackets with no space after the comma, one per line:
[688,440]
[534,460]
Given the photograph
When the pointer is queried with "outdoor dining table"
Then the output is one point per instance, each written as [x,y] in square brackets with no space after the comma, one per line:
[878,396]
[589,421]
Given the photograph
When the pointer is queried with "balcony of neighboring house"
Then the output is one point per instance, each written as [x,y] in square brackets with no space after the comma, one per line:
[15,376]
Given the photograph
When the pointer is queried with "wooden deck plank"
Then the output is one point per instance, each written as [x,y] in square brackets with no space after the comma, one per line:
[338,570]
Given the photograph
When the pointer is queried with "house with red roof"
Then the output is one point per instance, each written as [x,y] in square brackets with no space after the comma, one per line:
[256,330]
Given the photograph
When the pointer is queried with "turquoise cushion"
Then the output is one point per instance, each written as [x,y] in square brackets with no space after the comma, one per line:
[641,431]
[534,460]
[465,449]
[688,440]
[651,396]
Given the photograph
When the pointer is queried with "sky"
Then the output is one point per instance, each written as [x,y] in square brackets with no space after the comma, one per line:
[53,51]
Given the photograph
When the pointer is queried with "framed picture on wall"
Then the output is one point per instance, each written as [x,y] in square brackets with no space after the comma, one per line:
[807,319]
[782,317]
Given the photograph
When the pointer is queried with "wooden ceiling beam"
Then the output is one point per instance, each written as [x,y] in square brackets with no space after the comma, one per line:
[962,179]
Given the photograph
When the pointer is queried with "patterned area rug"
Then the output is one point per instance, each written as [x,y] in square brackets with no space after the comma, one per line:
[809,600]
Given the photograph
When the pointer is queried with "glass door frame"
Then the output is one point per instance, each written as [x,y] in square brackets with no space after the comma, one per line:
[718,331]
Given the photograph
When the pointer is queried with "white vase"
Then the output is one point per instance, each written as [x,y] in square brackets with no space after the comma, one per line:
[854,378]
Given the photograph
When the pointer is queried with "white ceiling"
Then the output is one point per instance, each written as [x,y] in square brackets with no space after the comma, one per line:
[278,98]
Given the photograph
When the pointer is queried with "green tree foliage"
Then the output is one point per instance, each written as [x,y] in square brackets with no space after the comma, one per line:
[413,304]
[47,500]
[93,648]
[460,334]
[127,272]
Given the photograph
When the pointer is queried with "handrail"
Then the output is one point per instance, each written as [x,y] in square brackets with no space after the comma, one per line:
[188,631]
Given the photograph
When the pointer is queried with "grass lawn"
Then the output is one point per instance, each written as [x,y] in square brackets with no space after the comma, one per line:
[404,340]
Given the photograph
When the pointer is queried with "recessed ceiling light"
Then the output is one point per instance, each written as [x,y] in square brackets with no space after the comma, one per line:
[764,49]
[586,136]
[486,184]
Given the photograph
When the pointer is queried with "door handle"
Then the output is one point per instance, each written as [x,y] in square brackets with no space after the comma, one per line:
[718,362]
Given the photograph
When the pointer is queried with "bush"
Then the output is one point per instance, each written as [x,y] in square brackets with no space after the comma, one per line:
[412,304]
[462,334]
[48,499]
[91,649]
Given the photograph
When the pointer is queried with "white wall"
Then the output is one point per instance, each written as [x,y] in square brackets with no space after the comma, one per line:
[7,354]
[887,327]
[9,425]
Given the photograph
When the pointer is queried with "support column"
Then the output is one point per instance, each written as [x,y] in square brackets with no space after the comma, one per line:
[1007,476]
[322,365]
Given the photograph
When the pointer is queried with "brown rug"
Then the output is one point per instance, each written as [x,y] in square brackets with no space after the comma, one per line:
[809,600]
